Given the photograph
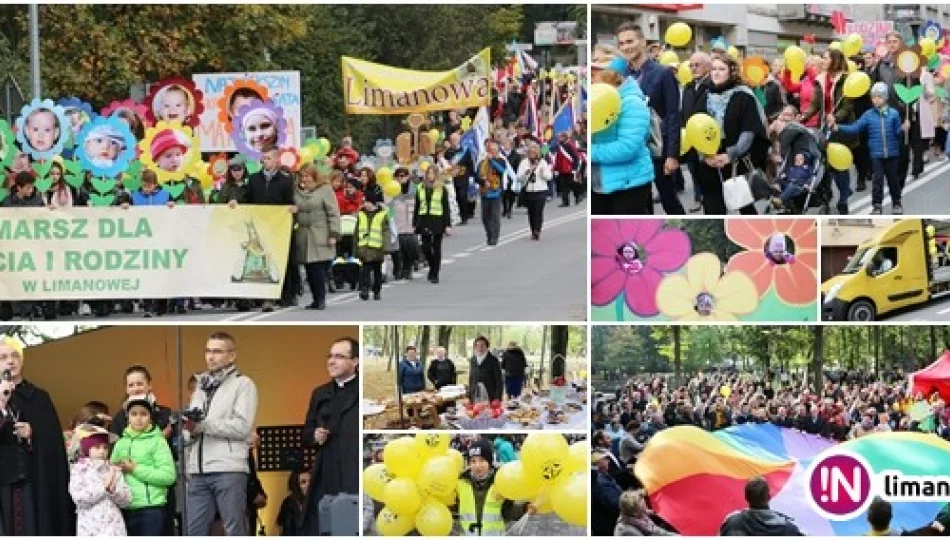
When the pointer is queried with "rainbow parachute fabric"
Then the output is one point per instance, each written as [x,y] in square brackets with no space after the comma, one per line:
[696,478]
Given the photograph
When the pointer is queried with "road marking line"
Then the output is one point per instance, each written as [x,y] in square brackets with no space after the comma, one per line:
[943,311]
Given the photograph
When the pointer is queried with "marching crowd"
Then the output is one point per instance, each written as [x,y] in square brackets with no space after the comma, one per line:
[848,406]
[118,475]
[347,232]
[775,136]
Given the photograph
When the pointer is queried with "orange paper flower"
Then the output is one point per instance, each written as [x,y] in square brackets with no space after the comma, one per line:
[795,281]
[247,88]
[755,71]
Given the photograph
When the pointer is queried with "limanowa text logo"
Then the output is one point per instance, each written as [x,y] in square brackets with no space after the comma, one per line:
[841,485]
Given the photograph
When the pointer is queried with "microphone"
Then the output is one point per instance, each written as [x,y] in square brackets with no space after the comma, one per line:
[6,376]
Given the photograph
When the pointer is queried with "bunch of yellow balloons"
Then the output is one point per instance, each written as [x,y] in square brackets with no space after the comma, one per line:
[550,473]
[390,187]
[416,482]
[419,475]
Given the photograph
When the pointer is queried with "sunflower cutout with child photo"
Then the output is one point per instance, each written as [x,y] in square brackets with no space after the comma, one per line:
[704,270]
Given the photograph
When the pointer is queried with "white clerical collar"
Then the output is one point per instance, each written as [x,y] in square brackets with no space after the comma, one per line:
[340,383]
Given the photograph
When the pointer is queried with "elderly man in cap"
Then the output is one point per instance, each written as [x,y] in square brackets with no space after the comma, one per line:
[605,495]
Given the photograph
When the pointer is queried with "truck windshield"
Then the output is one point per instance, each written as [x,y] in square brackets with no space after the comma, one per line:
[857,262]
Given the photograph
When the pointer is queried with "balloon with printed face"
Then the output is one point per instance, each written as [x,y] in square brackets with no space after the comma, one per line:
[604,106]
[679,34]
[703,133]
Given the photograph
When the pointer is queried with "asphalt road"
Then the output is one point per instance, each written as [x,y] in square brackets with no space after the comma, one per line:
[933,311]
[929,195]
[517,280]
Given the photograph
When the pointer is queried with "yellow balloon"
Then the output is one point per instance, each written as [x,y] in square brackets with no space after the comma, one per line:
[604,106]
[544,455]
[683,74]
[375,478]
[927,46]
[703,133]
[384,174]
[389,523]
[438,477]
[931,231]
[795,61]
[402,496]
[852,67]
[433,444]
[514,484]
[725,391]
[856,84]
[733,52]
[434,519]
[839,157]
[458,459]
[403,457]
[447,501]
[578,457]
[391,188]
[668,58]
[543,501]
[424,166]
[466,123]
[570,500]
[679,34]
[434,135]
[835,45]
[852,44]
[307,154]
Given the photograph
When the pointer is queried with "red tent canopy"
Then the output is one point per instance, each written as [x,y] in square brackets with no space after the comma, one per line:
[936,375]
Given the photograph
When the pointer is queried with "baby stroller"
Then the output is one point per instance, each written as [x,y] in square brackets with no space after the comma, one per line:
[797,139]
[345,269]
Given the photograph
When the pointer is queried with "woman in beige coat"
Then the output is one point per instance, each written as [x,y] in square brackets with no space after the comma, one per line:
[318,229]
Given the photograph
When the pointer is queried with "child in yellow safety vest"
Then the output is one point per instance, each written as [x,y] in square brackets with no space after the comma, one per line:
[373,241]
[481,510]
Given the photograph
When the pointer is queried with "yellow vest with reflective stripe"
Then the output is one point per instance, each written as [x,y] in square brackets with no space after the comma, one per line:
[492,522]
[436,209]
[371,233]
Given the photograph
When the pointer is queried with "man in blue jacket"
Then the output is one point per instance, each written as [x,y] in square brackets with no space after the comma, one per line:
[663,95]
[411,375]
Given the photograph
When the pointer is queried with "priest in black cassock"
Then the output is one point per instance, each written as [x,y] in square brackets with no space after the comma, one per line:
[34,471]
[333,426]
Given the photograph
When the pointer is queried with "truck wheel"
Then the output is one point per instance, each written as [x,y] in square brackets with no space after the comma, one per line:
[861,310]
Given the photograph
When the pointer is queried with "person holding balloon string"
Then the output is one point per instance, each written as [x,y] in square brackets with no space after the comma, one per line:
[622,170]
[832,104]
[729,134]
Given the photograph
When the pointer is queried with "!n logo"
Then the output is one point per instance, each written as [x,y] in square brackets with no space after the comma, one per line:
[839,485]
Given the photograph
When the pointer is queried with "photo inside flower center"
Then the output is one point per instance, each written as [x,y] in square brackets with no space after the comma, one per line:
[779,249]
[705,302]
[630,258]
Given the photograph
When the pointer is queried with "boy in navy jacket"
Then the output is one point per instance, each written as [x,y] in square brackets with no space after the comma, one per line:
[884,134]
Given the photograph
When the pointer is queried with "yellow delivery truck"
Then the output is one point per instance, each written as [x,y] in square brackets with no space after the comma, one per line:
[898,268]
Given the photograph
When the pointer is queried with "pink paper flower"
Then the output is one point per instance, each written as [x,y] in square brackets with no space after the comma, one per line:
[631,257]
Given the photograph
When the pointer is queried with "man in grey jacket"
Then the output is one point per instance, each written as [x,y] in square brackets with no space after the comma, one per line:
[219,439]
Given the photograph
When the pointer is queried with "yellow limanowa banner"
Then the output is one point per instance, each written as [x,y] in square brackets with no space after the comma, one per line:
[370,88]
[208,251]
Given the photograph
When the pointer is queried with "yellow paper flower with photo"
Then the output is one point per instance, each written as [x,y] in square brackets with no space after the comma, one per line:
[705,293]
[171,150]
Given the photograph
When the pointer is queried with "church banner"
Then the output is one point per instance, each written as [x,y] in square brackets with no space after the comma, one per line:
[370,88]
[157,252]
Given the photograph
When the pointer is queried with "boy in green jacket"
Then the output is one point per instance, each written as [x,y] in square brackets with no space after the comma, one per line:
[145,459]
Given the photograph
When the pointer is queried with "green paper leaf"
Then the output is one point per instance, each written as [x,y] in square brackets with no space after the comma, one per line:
[3,193]
[131,183]
[175,190]
[253,166]
[101,200]
[934,62]
[134,168]
[103,185]
[73,166]
[908,95]
[75,180]
[44,184]
[42,169]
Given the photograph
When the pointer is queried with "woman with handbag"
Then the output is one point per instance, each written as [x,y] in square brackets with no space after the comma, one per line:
[829,102]
[744,144]
[534,174]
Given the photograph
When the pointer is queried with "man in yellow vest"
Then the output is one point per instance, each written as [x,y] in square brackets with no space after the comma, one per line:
[431,220]
[372,243]
[481,510]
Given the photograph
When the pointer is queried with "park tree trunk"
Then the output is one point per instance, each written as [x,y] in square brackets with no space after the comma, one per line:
[445,336]
[558,351]
[394,351]
[677,357]
[818,357]
[424,345]
[933,344]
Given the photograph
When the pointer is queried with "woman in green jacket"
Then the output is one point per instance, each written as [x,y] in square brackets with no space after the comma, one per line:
[145,459]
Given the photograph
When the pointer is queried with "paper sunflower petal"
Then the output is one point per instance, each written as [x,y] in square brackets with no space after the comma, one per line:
[702,272]
[675,297]
[735,293]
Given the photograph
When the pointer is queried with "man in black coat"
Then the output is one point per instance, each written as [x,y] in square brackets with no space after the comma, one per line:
[485,369]
[463,168]
[34,471]
[333,426]
[271,186]
[694,94]
[605,496]
[441,370]
[514,363]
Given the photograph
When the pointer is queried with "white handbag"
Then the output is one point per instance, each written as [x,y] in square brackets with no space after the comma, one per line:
[736,191]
